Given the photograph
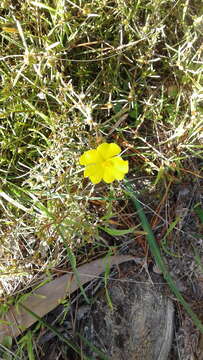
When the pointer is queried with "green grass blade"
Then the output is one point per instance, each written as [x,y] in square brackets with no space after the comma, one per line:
[158,258]
[106,278]
[72,260]
[43,6]
[98,352]
[27,341]
[116,232]
[55,331]
[13,202]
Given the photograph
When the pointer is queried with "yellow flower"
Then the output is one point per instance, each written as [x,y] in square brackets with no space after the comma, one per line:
[102,163]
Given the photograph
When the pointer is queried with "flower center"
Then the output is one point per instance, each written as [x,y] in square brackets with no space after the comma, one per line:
[107,163]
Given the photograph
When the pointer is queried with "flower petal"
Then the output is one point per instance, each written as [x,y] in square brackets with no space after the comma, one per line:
[94,172]
[89,157]
[120,165]
[107,151]
[95,179]
[118,175]
[92,169]
[89,170]
[108,175]
[116,170]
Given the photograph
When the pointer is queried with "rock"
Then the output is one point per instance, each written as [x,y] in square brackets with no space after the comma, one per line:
[138,327]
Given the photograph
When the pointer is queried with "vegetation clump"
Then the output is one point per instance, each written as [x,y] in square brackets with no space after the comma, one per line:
[78,74]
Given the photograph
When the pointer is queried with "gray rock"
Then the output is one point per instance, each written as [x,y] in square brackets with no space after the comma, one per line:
[138,327]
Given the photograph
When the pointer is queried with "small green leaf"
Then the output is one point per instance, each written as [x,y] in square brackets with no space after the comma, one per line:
[117,232]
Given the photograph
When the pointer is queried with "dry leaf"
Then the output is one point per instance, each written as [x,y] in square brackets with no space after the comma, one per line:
[47,297]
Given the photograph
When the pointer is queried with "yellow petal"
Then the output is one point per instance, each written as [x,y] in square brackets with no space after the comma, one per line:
[94,172]
[107,151]
[95,179]
[89,157]
[118,174]
[108,175]
[91,170]
[120,165]
[115,170]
